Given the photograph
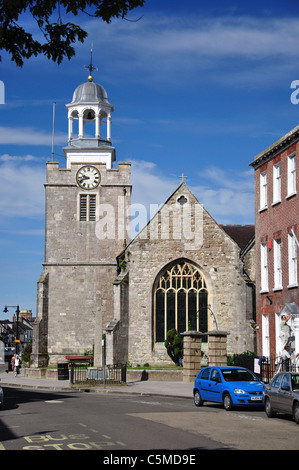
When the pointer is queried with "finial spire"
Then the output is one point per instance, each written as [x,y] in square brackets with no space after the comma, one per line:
[90,67]
[183,178]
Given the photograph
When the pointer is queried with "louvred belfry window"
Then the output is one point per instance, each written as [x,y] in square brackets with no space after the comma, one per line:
[87,207]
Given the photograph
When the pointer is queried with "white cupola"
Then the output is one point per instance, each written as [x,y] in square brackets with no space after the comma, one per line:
[89,126]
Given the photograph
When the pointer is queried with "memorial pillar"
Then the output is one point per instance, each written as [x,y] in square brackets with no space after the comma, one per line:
[192,355]
[217,348]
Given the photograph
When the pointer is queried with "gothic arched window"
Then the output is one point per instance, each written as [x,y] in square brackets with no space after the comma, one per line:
[180,301]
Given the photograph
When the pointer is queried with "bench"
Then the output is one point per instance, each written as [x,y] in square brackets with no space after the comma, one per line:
[79,359]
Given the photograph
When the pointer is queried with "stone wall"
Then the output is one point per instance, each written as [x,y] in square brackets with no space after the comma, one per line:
[217,257]
[80,262]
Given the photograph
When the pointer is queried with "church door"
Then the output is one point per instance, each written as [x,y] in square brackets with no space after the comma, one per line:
[180,301]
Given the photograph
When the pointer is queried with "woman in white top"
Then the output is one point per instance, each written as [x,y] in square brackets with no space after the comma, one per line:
[17,365]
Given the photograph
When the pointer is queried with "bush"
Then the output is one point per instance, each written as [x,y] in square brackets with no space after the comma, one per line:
[174,345]
[26,353]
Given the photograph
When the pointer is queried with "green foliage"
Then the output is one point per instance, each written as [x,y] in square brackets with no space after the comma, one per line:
[48,15]
[174,345]
[26,353]
[248,353]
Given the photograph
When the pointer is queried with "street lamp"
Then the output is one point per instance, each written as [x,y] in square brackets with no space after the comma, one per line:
[17,329]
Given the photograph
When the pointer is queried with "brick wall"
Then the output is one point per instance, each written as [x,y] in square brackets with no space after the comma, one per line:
[271,223]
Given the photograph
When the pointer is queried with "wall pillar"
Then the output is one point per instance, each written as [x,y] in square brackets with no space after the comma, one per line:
[71,128]
[81,126]
[217,348]
[39,355]
[109,127]
[192,354]
[97,125]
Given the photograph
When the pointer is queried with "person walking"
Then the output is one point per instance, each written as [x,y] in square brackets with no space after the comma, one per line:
[17,365]
[12,362]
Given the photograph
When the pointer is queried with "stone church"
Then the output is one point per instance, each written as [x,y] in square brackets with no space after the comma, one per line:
[182,270]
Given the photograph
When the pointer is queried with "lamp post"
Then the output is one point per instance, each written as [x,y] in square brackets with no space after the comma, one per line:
[17,328]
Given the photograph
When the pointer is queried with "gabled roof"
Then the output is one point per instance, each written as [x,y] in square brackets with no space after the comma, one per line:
[241,234]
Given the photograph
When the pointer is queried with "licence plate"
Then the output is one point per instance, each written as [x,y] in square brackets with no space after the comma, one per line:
[256,398]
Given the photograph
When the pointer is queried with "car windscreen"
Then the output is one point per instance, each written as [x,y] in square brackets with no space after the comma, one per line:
[238,375]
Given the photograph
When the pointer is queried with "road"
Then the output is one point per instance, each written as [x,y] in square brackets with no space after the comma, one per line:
[36,420]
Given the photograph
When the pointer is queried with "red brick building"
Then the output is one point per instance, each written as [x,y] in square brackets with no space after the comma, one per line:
[276,242]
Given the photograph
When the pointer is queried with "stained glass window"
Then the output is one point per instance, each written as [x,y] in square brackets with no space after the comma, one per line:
[180,301]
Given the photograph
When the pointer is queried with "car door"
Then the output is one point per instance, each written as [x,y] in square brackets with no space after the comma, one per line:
[203,383]
[284,396]
[272,390]
[215,386]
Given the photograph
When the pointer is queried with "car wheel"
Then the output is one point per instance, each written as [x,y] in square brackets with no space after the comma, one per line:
[296,412]
[198,401]
[227,402]
[268,409]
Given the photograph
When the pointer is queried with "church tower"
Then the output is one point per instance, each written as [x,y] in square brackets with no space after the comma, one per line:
[86,228]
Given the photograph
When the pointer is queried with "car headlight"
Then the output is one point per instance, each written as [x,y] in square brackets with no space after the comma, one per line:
[239,391]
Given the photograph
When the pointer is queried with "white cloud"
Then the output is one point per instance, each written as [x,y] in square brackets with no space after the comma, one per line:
[228,195]
[21,190]
[150,186]
[20,158]
[196,41]
[29,136]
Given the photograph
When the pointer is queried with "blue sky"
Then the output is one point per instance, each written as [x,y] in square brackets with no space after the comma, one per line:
[198,87]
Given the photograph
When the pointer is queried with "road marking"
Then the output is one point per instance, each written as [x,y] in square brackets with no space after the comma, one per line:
[54,401]
[121,443]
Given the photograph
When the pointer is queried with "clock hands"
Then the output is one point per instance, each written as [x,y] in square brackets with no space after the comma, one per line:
[88,177]
[82,178]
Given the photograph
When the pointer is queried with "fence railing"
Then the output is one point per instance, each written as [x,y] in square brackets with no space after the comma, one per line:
[268,367]
[271,366]
[81,374]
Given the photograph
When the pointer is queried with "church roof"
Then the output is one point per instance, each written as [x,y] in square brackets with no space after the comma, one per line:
[90,92]
[241,234]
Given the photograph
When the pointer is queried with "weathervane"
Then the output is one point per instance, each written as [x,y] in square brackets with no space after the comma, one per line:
[90,67]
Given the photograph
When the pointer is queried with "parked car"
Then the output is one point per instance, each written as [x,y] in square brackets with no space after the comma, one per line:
[282,395]
[231,386]
[1,397]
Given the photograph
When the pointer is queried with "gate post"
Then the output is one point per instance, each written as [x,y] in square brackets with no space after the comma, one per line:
[192,354]
[217,348]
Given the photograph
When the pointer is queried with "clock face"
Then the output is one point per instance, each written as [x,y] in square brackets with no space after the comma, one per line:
[88,177]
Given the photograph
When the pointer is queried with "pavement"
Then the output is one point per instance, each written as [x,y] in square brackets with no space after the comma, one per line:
[146,387]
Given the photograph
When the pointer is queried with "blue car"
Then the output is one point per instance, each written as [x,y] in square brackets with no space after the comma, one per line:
[231,386]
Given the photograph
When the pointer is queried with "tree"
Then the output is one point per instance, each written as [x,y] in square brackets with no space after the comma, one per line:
[58,36]
[174,345]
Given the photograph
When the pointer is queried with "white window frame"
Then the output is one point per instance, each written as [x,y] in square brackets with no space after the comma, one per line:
[292,260]
[291,184]
[264,267]
[265,335]
[277,264]
[263,191]
[277,183]
[279,345]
